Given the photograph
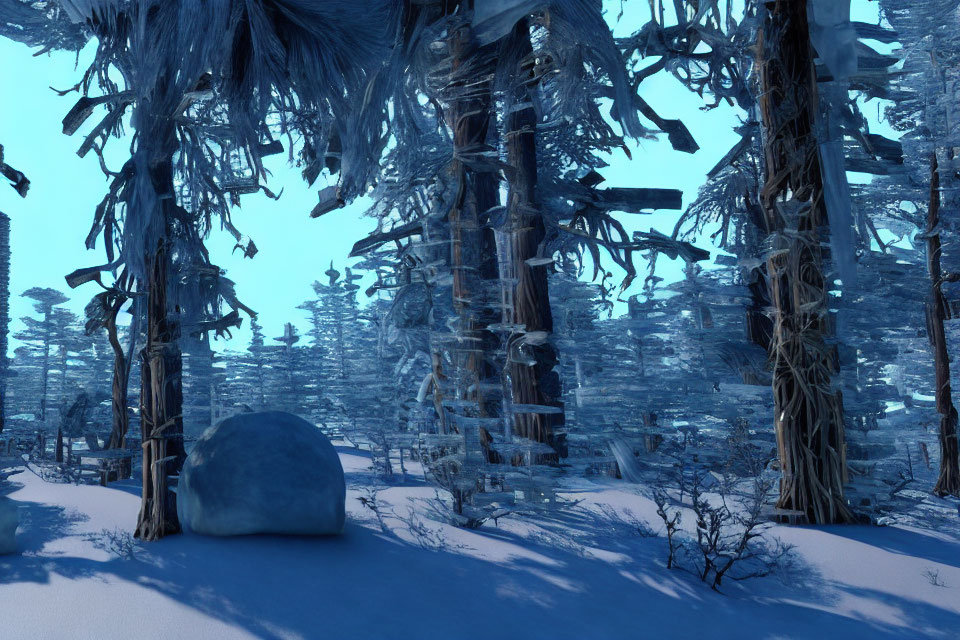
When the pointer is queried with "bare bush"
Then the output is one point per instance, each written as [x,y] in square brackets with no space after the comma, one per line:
[730,537]
[424,535]
[117,542]
[622,525]
[933,576]
[371,500]
[671,522]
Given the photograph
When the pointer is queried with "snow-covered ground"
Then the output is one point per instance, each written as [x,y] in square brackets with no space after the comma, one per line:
[580,573]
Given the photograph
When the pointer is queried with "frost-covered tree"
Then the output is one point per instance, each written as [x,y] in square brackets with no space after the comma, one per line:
[4,313]
[808,413]
[288,371]
[923,107]
[337,347]
[102,313]
[809,163]
[20,184]
[40,335]
[529,89]
[200,386]
[258,361]
[254,368]
[312,66]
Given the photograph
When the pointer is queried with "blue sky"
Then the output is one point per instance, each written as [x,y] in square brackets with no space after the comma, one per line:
[48,228]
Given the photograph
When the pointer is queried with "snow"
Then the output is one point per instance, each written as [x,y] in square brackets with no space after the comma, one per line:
[577,573]
[266,472]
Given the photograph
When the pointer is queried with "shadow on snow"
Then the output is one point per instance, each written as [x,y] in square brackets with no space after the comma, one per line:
[366,583]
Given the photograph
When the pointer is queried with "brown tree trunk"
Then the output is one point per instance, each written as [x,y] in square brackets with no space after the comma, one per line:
[161,403]
[948,481]
[161,393]
[118,405]
[122,363]
[808,411]
[530,299]
[473,254]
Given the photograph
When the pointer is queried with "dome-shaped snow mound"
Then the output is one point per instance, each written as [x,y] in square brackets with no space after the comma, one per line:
[269,472]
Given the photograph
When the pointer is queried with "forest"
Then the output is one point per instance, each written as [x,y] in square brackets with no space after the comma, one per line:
[514,412]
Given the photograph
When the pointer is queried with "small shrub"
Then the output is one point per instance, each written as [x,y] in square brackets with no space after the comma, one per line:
[119,543]
[933,576]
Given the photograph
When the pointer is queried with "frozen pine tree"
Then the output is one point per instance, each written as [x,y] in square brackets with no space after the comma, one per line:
[39,337]
[20,183]
[4,313]
[519,108]
[288,371]
[924,108]
[339,344]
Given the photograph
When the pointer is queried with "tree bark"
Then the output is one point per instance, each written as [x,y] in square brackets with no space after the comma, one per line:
[121,370]
[948,480]
[161,393]
[161,406]
[122,364]
[530,299]
[473,254]
[808,414]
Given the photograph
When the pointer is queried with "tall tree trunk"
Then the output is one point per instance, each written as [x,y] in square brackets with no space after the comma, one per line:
[121,374]
[161,405]
[46,368]
[808,411]
[948,482]
[4,309]
[161,392]
[530,299]
[154,199]
[473,245]
[122,365]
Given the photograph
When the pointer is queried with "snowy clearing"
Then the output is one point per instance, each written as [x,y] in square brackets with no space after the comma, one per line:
[580,573]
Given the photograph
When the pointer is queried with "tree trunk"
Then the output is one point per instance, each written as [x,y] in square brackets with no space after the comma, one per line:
[530,299]
[4,310]
[948,481]
[46,369]
[122,363]
[161,393]
[161,406]
[121,370]
[808,411]
[473,245]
